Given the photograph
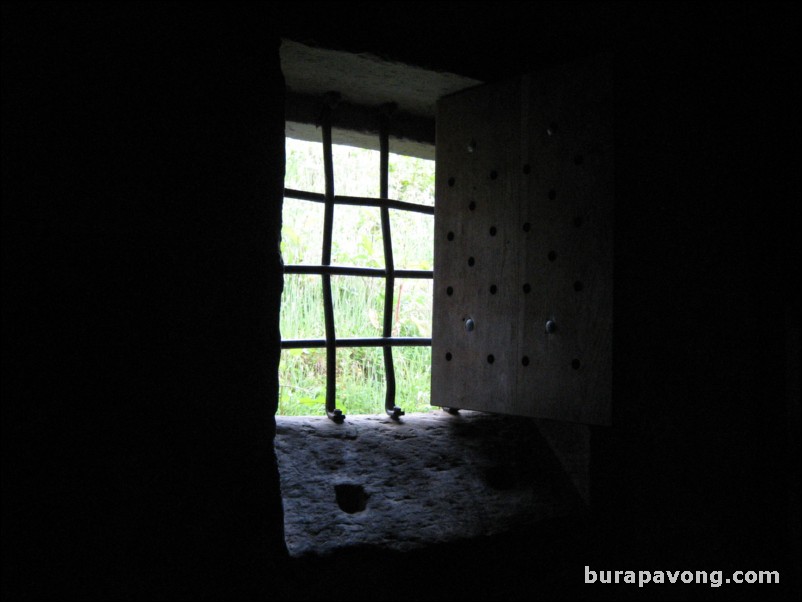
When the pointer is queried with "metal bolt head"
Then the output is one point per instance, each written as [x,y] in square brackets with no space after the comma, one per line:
[470,325]
[551,326]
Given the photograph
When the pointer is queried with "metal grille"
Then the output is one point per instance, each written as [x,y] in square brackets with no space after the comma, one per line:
[326,270]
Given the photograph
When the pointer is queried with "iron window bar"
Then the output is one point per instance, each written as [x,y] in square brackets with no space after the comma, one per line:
[358,201]
[328,304]
[390,408]
[326,270]
[358,342]
[343,270]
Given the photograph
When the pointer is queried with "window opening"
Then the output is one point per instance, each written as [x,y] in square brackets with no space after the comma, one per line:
[374,293]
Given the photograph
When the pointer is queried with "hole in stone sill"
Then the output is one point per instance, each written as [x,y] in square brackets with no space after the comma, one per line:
[351,498]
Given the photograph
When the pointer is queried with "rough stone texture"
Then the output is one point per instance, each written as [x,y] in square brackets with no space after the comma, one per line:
[430,478]
[366,79]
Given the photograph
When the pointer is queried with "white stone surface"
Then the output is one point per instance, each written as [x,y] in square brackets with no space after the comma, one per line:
[429,478]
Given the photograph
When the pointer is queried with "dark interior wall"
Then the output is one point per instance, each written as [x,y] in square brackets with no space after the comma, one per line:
[142,177]
[707,234]
[142,160]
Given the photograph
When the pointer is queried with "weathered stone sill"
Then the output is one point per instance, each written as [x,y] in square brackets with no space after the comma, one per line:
[430,478]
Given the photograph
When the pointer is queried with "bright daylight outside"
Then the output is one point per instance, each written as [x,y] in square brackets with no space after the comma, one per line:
[358,301]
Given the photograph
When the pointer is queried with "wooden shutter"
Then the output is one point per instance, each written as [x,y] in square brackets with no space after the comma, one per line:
[524,246]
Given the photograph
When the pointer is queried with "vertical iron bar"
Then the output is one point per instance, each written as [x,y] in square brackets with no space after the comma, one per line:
[389,286]
[328,305]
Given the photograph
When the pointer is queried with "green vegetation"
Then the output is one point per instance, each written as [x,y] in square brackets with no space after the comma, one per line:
[358,302]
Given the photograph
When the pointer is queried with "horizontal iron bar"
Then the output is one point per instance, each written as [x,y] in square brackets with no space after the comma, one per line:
[358,201]
[369,342]
[341,270]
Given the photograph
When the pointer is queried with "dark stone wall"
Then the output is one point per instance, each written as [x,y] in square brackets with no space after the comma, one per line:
[142,178]
[707,236]
[142,157]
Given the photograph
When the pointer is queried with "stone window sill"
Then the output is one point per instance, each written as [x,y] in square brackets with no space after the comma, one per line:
[431,478]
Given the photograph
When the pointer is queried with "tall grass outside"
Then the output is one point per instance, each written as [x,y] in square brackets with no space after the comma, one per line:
[358,301]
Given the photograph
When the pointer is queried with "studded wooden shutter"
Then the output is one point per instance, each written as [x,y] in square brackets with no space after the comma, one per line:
[524,246]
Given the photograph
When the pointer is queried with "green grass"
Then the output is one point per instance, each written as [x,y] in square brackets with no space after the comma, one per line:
[358,302]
